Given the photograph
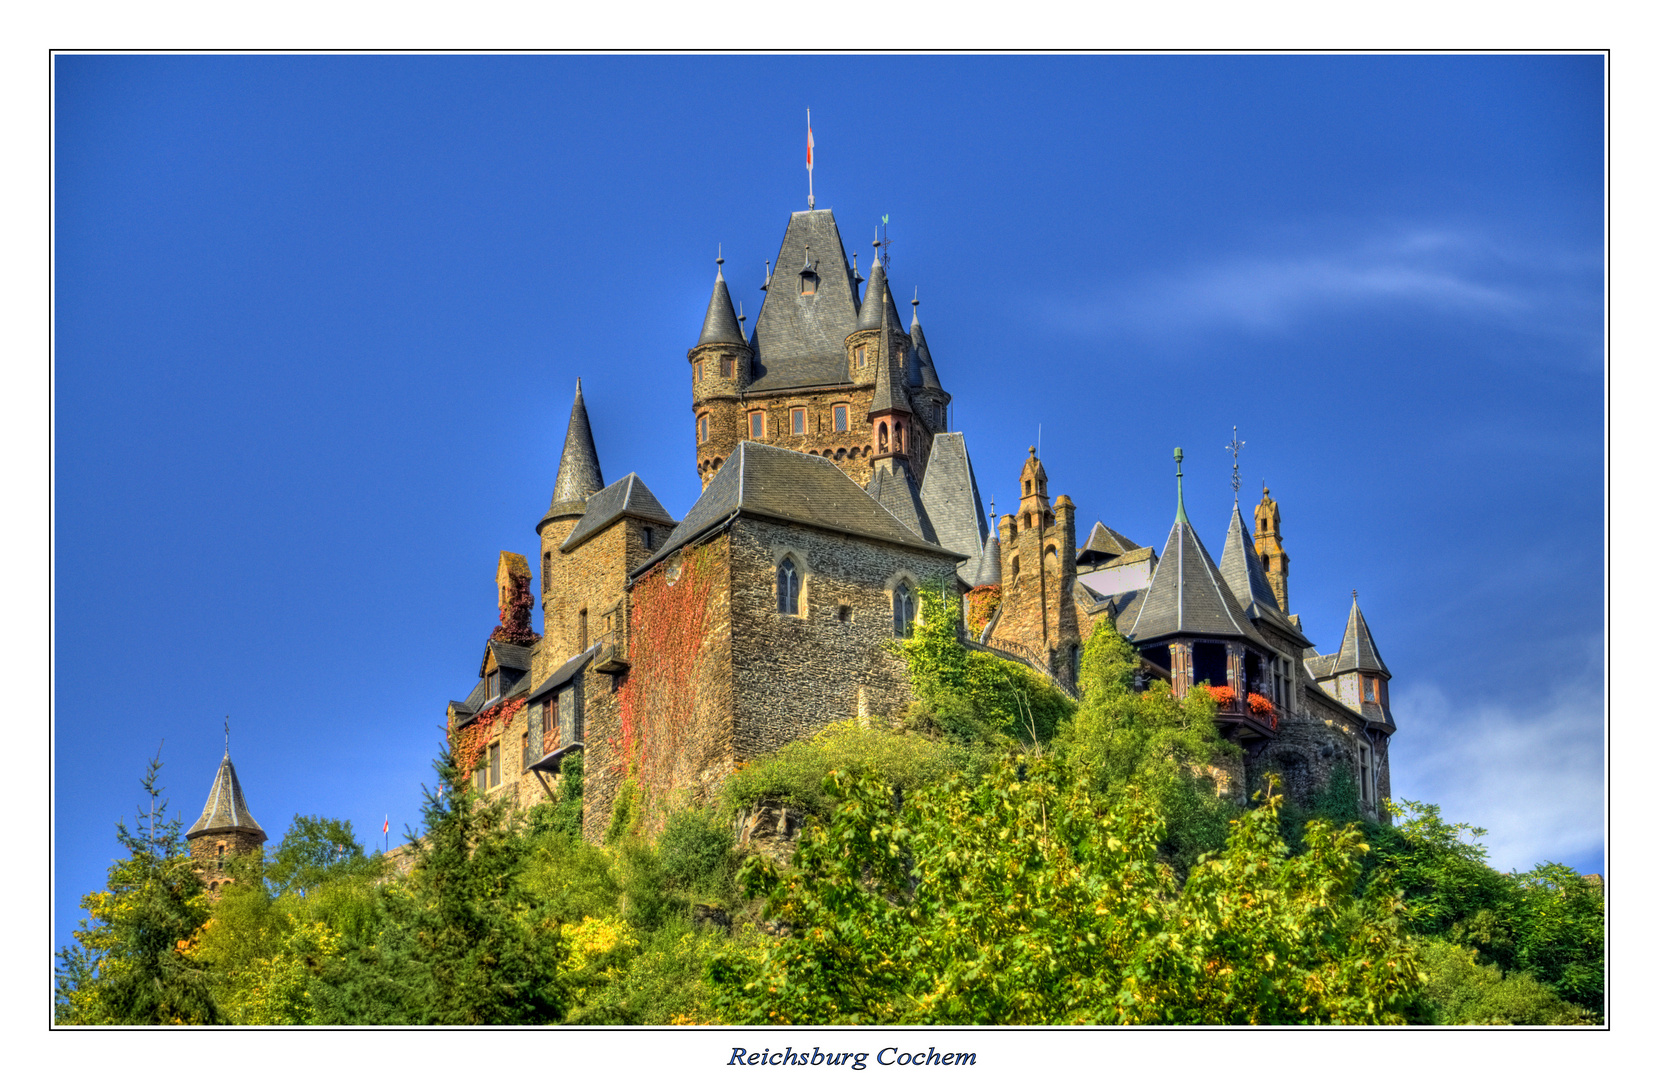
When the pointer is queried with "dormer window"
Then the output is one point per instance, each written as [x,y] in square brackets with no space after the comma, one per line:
[809,283]
[492,685]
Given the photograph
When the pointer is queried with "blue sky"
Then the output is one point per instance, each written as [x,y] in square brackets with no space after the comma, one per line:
[318,320]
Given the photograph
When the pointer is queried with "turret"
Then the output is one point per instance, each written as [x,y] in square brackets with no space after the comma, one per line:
[890,413]
[1038,616]
[720,361]
[1271,552]
[864,343]
[928,392]
[225,829]
[579,478]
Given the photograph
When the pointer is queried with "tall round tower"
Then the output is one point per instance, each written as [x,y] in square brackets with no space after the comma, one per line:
[224,830]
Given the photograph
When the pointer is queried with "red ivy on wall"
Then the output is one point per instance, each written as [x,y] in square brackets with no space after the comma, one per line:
[469,742]
[667,622]
[983,602]
[515,616]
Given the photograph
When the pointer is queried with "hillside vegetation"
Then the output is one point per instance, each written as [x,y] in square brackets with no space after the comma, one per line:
[999,855]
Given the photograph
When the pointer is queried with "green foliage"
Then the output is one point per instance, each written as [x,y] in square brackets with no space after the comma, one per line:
[1561,933]
[1025,899]
[463,941]
[312,850]
[698,858]
[1443,878]
[131,963]
[1149,740]
[654,977]
[1462,990]
[564,813]
[972,695]
[624,813]
[794,774]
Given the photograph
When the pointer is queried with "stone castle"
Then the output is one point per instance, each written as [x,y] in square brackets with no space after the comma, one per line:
[674,651]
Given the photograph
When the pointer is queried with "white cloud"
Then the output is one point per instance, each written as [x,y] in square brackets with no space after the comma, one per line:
[1427,269]
[1532,776]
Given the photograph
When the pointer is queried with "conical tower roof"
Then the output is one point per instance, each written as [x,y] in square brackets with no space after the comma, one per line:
[929,377]
[1358,652]
[989,569]
[226,810]
[1242,569]
[720,324]
[579,474]
[870,312]
[891,394]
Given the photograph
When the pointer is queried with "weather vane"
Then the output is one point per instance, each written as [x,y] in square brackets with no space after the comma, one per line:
[227,734]
[1235,446]
[885,244]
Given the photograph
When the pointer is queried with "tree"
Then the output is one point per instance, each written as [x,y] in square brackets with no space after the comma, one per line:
[1026,899]
[312,850]
[460,941]
[130,962]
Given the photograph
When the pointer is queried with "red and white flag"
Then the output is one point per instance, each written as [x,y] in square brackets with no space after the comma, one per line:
[809,146]
[386,828]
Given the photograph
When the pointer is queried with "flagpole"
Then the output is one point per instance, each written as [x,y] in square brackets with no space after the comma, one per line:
[810,202]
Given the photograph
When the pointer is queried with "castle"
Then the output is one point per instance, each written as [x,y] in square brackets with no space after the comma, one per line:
[673,651]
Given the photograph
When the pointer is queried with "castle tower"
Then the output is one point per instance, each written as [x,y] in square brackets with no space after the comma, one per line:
[579,478]
[931,397]
[892,423]
[1270,550]
[1038,617]
[225,829]
[720,373]
[1360,675]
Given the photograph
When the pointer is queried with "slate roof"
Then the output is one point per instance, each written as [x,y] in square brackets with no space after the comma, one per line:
[927,375]
[1358,652]
[563,673]
[1188,596]
[891,393]
[988,570]
[226,809]
[771,482]
[802,340]
[1242,570]
[579,474]
[869,314]
[627,497]
[950,495]
[894,488]
[1318,666]
[1107,542]
[507,655]
[720,323]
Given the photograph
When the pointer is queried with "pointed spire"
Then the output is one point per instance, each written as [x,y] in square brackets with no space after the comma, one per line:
[871,311]
[1187,595]
[890,394]
[1180,496]
[720,323]
[1359,651]
[226,809]
[918,345]
[766,282]
[579,474]
[1243,571]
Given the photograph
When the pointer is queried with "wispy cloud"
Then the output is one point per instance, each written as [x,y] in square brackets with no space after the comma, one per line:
[1427,269]
[1532,776]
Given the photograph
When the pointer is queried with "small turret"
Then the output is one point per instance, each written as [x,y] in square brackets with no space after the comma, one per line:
[579,474]
[225,829]
[1270,550]
[720,361]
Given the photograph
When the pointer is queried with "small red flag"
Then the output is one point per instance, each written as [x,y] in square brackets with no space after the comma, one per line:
[809,146]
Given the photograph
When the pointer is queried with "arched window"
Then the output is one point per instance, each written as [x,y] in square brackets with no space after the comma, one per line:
[881,437]
[789,588]
[898,436]
[904,610]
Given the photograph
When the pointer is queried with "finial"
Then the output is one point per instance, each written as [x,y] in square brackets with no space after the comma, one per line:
[719,255]
[767,282]
[1356,596]
[1180,493]
[1235,446]
[915,301]
[1033,450]
[741,318]
[857,277]
[227,734]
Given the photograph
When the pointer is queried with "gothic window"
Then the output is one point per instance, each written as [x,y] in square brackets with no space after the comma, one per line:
[789,588]
[703,428]
[904,610]
[725,367]
[797,421]
[898,436]
[757,425]
[840,418]
[881,438]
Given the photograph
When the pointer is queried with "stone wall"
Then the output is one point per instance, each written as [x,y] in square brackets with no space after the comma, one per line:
[1311,742]
[795,673]
[212,866]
